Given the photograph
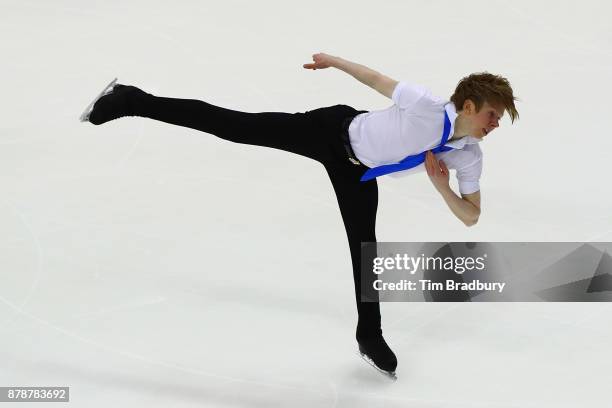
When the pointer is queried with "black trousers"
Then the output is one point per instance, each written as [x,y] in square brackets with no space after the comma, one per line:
[314,134]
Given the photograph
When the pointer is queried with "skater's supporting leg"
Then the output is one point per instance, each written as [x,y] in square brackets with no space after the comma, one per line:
[358,202]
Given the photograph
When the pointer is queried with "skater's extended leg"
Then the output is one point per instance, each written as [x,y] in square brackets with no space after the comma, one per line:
[293,132]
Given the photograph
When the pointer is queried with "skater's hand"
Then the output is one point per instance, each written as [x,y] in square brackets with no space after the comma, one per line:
[321,60]
[437,171]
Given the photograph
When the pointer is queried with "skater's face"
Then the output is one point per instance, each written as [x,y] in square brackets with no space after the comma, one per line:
[485,120]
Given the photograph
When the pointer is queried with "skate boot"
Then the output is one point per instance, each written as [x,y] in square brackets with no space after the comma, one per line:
[375,351]
[115,101]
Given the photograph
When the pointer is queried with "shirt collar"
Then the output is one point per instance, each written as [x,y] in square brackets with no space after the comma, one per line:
[450,109]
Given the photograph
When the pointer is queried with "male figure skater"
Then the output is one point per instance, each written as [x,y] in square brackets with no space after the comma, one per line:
[418,132]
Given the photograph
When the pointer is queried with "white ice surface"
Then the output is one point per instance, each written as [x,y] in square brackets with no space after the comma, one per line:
[147,265]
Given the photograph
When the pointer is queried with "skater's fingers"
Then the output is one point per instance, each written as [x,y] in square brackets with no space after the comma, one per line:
[443,167]
[428,164]
[310,66]
[428,159]
[433,162]
[435,167]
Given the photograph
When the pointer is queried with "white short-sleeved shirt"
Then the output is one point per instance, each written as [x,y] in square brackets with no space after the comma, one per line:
[414,124]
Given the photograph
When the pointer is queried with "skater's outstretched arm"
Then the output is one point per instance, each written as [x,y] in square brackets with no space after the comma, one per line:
[363,74]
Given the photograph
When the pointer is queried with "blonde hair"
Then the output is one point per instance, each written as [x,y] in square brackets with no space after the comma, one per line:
[483,87]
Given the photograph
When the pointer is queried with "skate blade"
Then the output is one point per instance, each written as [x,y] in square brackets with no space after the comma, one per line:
[389,374]
[85,115]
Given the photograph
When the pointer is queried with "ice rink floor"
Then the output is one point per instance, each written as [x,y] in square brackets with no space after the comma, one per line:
[146,265]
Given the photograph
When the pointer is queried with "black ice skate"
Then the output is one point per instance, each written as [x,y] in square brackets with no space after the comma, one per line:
[113,102]
[107,89]
[377,353]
